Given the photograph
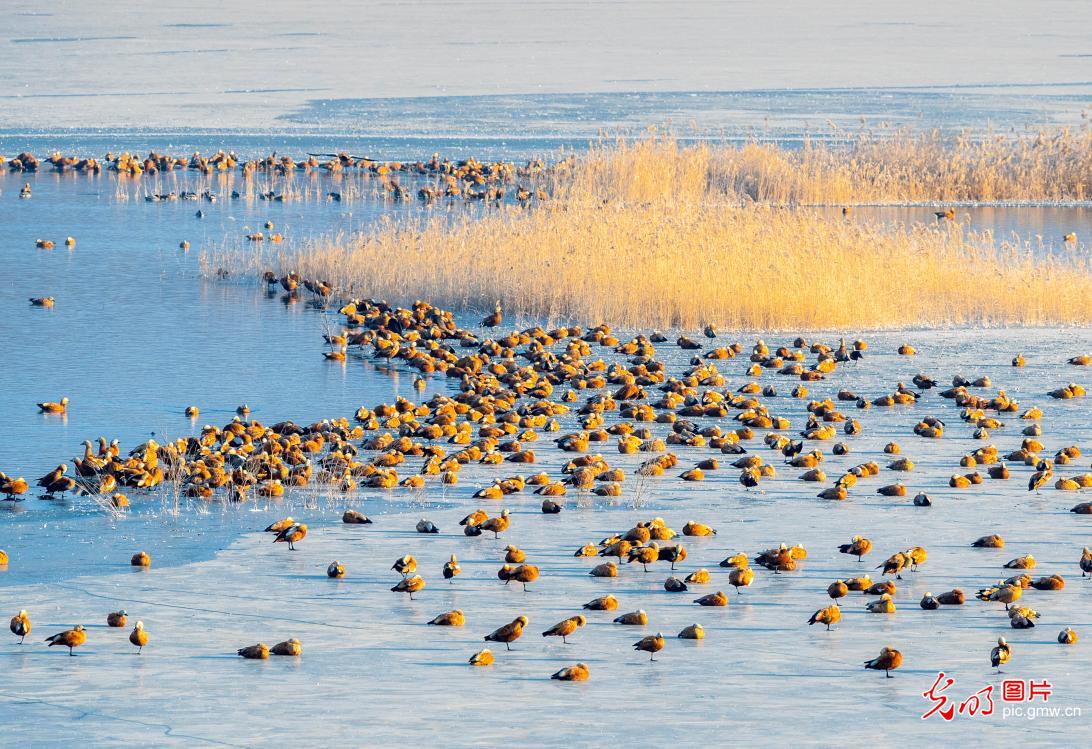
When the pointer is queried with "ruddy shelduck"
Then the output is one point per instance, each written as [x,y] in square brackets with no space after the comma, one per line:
[259,651]
[887,661]
[49,407]
[565,628]
[451,568]
[634,618]
[883,606]
[1001,654]
[858,547]
[280,525]
[828,616]
[70,638]
[20,625]
[509,633]
[652,644]
[409,585]
[954,597]
[497,525]
[579,672]
[713,599]
[525,573]
[453,618]
[292,535]
[483,657]
[603,603]
[291,647]
[139,637]
[693,632]
[405,565]
[741,577]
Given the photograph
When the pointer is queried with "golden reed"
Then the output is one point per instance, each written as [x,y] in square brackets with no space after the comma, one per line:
[655,234]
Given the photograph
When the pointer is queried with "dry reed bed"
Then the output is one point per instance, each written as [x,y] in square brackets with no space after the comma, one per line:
[898,168]
[651,233]
[672,263]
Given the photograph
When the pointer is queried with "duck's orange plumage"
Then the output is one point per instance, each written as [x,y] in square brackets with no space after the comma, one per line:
[565,628]
[291,647]
[409,585]
[292,535]
[49,407]
[139,636]
[509,633]
[20,625]
[652,644]
[483,657]
[887,661]
[579,672]
[70,638]
[255,652]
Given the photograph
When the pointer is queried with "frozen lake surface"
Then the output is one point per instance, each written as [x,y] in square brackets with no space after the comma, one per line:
[369,652]
[137,335]
[373,672]
[552,68]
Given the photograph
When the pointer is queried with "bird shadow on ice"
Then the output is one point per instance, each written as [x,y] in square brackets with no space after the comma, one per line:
[219,657]
[289,664]
[444,664]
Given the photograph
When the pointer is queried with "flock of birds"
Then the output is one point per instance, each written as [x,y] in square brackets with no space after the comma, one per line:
[469,180]
[464,179]
[518,386]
